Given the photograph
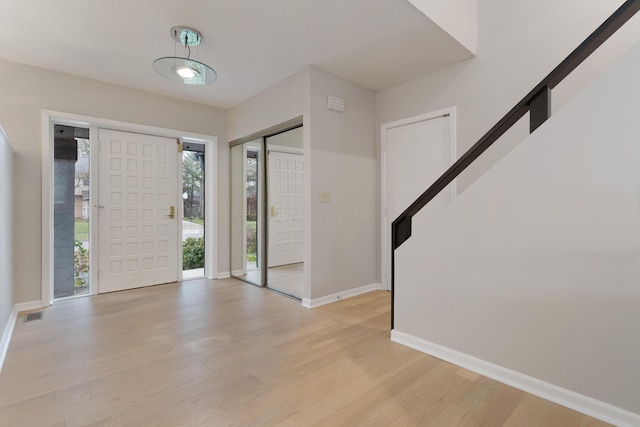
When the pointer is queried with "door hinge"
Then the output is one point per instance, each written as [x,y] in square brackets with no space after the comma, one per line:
[179,147]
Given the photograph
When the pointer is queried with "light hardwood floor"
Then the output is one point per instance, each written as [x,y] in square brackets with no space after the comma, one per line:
[222,353]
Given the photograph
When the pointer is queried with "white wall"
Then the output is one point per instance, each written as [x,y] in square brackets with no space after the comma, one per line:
[27,90]
[519,43]
[6,230]
[283,101]
[535,267]
[456,17]
[343,162]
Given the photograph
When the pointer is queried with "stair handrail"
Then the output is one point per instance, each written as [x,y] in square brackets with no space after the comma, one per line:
[537,103]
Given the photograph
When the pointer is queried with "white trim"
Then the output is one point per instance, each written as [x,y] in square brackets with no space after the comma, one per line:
[179,206]
[47,210]
[223,275]
[211,247]
[48,118]
[570,399]
[11,323]
[385,233]
[317,302]
[238,272]
[6,336]
[94,172]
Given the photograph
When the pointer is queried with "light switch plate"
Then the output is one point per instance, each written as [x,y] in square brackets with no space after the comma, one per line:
[325,197]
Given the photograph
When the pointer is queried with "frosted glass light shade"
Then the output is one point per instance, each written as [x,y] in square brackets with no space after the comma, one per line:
[184,70]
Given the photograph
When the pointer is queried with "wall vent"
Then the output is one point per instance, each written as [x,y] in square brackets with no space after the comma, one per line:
[335,104]
[33,316]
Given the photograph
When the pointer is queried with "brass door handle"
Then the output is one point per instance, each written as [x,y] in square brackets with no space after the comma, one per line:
[172,212]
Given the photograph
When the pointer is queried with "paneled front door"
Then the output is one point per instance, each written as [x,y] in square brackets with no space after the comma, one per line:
[138,217]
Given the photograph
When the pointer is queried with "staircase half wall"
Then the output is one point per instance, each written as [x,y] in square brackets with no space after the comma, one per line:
[532,275]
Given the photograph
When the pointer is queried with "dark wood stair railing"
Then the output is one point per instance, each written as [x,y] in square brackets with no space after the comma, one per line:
[537,103]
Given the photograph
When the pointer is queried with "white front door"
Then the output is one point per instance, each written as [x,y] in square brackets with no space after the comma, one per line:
[286,216]
[138,215]
[416,152]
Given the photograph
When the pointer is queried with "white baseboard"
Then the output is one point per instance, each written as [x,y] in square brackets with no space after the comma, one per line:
[11,323]
[223,275]
[570,399]
[6,336]
[317,302]
[237,273]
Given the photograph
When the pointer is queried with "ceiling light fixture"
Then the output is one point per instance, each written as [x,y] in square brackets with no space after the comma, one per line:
[185,70]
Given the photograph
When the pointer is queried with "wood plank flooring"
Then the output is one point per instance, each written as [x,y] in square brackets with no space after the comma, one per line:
[226,353]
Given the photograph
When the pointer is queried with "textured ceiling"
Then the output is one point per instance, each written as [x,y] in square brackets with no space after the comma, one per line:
[252,44]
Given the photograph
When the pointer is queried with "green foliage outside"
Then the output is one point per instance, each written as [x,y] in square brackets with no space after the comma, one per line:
[195,220]
[252,241]
[82,229]
[193,253]
[80,264]
[252,189]
[192,176]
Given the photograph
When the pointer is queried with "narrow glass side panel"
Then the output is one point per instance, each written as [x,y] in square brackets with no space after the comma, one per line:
[71,211]
[193,224]
[81,209]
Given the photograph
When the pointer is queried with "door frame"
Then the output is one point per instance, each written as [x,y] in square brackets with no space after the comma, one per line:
[48,119]
[385,232]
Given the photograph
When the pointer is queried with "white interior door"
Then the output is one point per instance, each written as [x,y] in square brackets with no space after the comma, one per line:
[286,217]
[138,235]
[416,152]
